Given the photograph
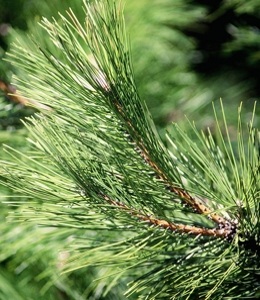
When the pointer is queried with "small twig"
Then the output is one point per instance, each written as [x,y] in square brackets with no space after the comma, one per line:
[12,94]
[194,203]
[180,228]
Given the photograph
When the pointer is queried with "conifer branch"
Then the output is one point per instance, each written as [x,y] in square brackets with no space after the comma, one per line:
[97,163]
[11,93]
[196,204]
[225,232]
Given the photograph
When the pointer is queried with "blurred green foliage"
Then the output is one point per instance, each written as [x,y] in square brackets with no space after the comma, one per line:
[185,53]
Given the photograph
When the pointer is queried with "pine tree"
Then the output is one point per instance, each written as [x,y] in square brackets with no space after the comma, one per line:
[100,189]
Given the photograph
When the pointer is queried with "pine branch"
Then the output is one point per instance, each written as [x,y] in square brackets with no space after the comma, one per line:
[195,204]
[142,146]
[193,230]
[98,165]
[10,93]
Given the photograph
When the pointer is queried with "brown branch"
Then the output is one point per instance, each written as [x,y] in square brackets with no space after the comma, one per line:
[225,232]
[194,203]
[181,228]
[12,94]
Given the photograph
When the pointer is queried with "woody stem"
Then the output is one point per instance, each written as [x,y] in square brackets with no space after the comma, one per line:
[180,228]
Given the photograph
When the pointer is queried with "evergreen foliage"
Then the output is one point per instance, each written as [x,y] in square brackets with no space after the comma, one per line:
[97,191]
